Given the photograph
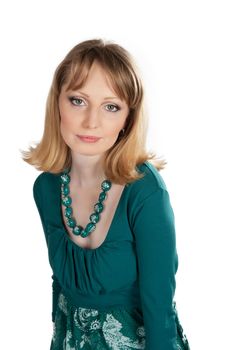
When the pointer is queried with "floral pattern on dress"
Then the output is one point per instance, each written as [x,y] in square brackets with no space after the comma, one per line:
[78,328]
[182,341]
[114,337]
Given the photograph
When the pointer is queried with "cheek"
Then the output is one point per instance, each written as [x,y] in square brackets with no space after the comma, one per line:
[66,127]
[65,116]
[63,130]
[66,122]
[114,129]
[111,133]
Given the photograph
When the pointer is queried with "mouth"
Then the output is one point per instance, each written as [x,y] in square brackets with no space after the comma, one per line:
[88,138]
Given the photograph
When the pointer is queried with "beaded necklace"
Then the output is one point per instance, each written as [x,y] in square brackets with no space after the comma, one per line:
[67,201]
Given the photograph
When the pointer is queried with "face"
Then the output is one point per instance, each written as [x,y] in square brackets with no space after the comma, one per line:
[93,110]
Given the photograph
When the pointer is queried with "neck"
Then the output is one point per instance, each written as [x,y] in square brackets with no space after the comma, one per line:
[87,171]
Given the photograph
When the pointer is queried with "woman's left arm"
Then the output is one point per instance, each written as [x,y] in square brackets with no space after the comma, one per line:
[56,288]
[154,232]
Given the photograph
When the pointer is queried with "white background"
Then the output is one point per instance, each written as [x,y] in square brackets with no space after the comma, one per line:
[192,55]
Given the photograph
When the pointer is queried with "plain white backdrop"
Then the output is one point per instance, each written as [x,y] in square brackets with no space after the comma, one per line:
[192,55]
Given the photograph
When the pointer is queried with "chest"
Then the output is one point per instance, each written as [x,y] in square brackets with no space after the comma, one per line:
[83,206]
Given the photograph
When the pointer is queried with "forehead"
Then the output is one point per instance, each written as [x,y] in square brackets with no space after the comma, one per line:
[78,74]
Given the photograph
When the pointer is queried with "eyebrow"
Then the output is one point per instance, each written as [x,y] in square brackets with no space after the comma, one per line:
[106,98]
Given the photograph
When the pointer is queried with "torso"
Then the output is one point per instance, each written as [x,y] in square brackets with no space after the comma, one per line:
[82,204]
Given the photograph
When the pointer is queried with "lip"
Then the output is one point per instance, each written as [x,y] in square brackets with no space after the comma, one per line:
[88,138]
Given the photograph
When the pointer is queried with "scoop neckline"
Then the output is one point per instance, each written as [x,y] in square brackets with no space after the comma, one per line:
[65,231]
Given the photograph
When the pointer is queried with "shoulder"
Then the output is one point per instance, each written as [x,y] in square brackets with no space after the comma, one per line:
[151,180]
[150,183]
[44,181]
[152,176]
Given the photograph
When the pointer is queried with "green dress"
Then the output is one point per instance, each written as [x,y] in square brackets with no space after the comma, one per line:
[120,295]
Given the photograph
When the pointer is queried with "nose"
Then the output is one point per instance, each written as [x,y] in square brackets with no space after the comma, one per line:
[91,118]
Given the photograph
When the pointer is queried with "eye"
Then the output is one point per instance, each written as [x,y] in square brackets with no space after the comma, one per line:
[114,107]
[72,99]
[76,101]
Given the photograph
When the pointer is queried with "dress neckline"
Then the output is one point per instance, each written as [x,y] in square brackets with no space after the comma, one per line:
[64,228]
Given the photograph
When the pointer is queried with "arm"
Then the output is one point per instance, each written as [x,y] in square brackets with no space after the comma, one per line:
[56,288]
[55,284]
[154,233]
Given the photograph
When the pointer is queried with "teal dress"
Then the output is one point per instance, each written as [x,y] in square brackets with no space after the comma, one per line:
[120,295]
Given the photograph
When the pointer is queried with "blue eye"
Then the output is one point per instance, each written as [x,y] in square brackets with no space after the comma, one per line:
[76,99]
[114,107]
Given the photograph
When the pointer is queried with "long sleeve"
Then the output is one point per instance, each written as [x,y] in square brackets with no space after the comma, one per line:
[154,232]
[38,201]
[56,288]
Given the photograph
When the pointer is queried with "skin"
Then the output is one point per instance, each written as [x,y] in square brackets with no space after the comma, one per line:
[91,116]
[94,116]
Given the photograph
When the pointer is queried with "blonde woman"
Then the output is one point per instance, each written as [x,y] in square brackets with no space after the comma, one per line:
[105,209]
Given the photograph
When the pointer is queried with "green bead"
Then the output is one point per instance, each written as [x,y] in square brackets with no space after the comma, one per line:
[84,233]
[65,178]
[65,190]
[68,212]
[94,218]
[67,201]
[98,207]
[106,185]
[77,230]
[102,196]
[90,227]
[71,222]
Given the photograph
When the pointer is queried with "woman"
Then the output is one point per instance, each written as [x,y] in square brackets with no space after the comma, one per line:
[105,209]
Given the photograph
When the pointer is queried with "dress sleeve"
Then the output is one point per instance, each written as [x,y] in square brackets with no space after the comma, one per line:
[55,284]
[38,201]
[56,288]
[154,232]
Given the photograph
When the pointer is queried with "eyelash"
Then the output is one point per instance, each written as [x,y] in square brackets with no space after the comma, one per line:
[110,104]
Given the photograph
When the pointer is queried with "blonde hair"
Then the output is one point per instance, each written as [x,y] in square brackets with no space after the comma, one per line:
[53,155]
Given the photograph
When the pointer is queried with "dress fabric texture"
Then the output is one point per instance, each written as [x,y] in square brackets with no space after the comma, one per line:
[120,295]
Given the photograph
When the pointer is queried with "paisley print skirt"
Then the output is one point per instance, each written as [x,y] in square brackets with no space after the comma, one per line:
[77,328]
